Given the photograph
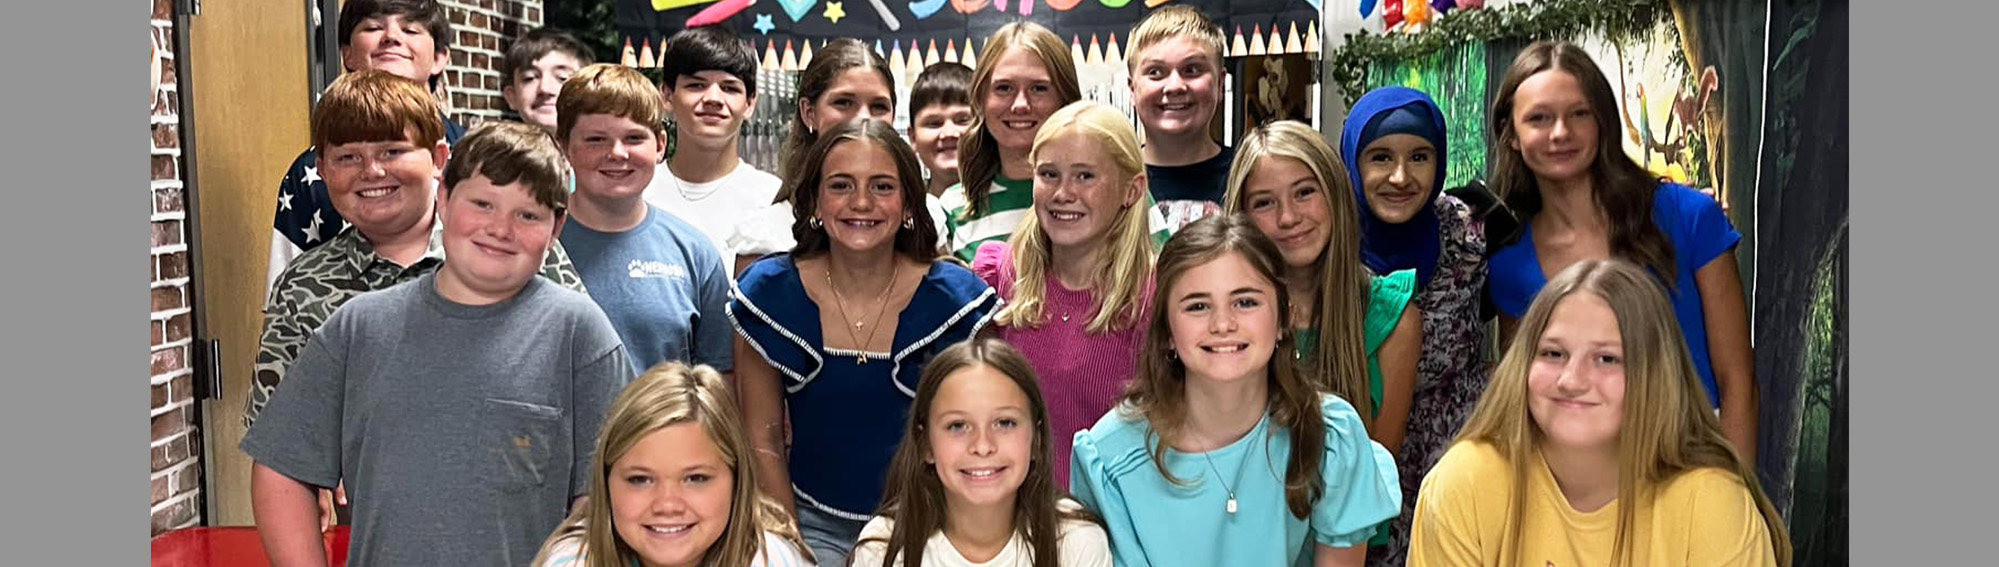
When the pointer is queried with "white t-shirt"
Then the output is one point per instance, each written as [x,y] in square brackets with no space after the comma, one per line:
[1083,545]
[735,211]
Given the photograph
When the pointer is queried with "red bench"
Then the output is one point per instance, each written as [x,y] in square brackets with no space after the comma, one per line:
[235,546]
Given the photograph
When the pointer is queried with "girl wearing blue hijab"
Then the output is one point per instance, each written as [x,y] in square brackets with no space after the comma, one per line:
[1395,146]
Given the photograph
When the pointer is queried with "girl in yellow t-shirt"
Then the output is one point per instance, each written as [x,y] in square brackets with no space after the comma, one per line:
[1595,445]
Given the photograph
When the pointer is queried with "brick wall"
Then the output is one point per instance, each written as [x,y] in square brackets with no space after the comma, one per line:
[484,28]
[176,446]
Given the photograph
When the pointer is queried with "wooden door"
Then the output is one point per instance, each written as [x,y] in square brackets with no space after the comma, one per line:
[250,104]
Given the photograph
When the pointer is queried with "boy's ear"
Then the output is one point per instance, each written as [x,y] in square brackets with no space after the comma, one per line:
[561,220]
[443,60]
[443,198]
[440,156]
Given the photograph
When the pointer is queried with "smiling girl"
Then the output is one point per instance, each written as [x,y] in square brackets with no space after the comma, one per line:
[970,485]
[672,485]
[1077,273]
[1025,74]
[834,334]
[1358,334]
[1222,454]
[1594,445]
[1560,165]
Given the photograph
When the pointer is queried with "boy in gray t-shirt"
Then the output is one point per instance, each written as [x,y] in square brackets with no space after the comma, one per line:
[459,408]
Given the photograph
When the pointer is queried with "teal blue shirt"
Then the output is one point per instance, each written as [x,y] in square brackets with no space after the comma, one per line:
[1154,523]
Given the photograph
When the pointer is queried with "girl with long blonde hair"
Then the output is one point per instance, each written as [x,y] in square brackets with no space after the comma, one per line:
[1594,445]
[1077,274]
[672,457]
[1359,336]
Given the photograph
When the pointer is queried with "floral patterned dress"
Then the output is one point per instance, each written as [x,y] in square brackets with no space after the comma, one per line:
[1451,374]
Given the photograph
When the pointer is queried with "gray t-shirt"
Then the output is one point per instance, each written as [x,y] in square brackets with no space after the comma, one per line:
[664,287]
[462,432]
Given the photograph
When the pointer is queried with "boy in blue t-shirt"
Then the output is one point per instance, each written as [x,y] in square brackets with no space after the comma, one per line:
[661,281]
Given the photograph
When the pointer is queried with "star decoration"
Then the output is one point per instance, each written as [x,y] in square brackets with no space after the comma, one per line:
[285,201]
[312,231]
[311,174]
[835,11]
[764,24]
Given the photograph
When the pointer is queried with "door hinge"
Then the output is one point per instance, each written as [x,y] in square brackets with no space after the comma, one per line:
[211,369]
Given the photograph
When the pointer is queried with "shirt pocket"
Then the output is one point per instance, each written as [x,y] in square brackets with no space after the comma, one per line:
[524,436]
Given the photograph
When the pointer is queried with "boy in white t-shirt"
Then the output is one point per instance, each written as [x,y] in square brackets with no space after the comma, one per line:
[711,89]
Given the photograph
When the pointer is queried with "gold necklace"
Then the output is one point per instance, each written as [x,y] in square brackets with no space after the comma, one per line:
[881,305]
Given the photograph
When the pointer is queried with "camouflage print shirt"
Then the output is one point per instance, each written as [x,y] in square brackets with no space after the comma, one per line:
[322,279]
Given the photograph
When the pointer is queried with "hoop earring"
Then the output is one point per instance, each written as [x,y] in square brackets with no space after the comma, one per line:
[814,223]
[909,222]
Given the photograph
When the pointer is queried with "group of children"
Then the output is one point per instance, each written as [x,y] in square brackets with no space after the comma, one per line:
[1019,335]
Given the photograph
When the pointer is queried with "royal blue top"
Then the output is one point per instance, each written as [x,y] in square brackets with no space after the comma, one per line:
[1700,232]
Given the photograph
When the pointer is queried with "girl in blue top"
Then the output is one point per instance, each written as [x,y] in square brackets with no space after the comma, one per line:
[835,333]
[1221,454]
[1564,173]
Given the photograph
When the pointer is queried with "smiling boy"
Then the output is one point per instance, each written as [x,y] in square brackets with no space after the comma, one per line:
[711,89]
[460,406]
[535,68]
[659,279]
[1177,76]
[409,38]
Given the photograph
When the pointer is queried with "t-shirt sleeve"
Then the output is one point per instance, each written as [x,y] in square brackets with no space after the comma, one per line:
[780,552]
[714,338]
[940,221]
[873,543]
[278,347]
[1509,276]
[990,265]
[1387,296]
[1083,463]
[597,382]
[1084,544]
[298,433]
[1723,526]
[565,552]
[1702,232]
[762,231]
[1361,490]
[1445,532]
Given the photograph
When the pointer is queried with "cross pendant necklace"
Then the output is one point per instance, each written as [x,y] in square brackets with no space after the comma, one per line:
[881,304]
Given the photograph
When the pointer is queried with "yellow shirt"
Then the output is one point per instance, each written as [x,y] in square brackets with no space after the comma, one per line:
[1700,518]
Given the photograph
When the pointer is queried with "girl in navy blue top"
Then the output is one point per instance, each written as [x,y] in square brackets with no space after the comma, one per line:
[1563,170]
[833,335]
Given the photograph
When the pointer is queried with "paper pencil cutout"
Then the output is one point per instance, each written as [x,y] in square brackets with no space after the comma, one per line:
[717,13]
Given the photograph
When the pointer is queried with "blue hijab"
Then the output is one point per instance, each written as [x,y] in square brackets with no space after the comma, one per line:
[1416,243]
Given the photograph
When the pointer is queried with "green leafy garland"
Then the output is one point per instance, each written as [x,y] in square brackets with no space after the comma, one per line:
[1544,19]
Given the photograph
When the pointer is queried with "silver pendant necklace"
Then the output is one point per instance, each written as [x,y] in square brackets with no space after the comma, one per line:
[1227,486]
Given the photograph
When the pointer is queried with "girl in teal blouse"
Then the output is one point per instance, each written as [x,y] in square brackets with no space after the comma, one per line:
[1221,453]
